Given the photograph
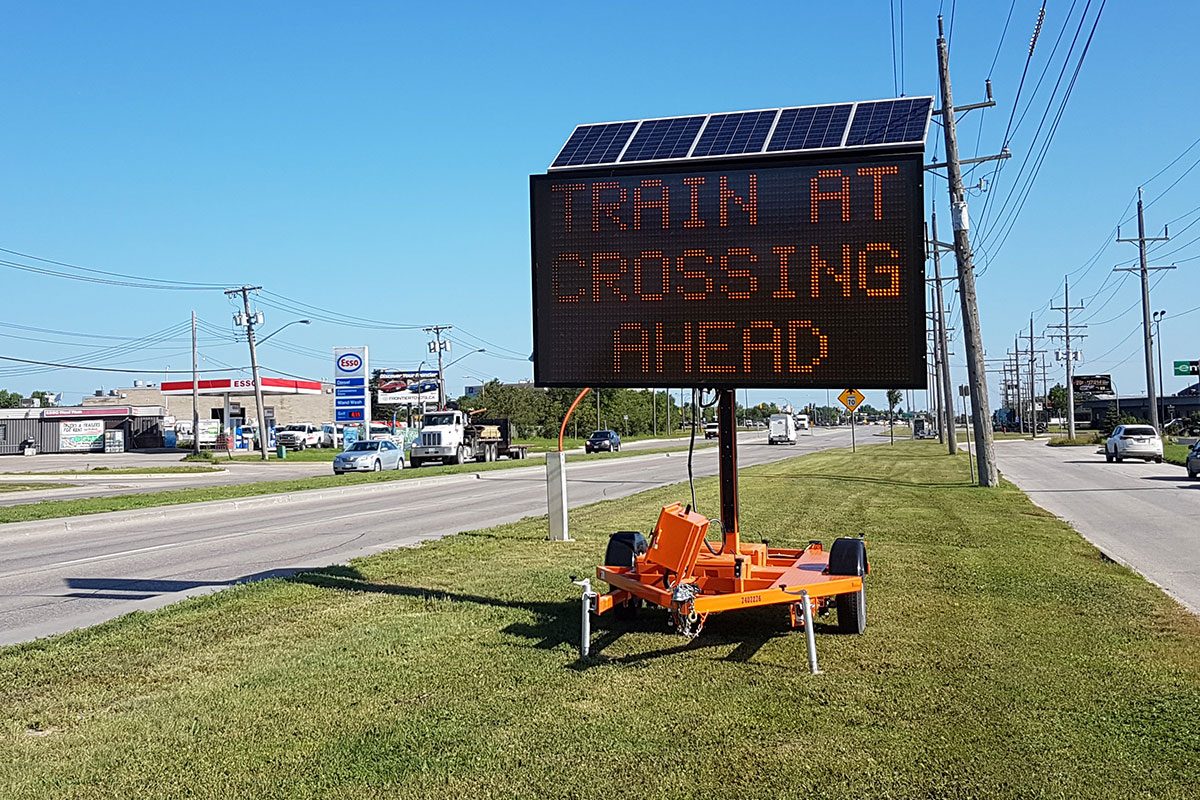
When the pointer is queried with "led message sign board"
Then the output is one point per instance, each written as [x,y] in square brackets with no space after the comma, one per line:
[776,273]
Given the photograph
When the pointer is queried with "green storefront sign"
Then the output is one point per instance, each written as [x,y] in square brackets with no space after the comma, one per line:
[1186,368]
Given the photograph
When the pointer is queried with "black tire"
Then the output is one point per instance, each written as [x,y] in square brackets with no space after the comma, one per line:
[623,549]
[378,467]
[1158,459]
[1191,475]
[1108,456]
[849,557]
[852,612]
[415,462]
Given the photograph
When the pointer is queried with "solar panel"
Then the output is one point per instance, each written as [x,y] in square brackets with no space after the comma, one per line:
[774,131]
[735,134]
[810,128]
[659,139]
[889,122]
[595,144]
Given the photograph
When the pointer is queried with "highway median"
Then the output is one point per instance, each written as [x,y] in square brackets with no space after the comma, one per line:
[56,509]
[997,637]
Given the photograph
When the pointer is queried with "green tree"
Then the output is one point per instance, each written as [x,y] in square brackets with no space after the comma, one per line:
[1058,398]
[9,399]
[894,398]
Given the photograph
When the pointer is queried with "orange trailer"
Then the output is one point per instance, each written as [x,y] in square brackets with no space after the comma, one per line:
[678,569]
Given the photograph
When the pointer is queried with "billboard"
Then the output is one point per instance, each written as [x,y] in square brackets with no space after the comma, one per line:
[1092,384]
[784,273]
[352,399]
[81,435]
[407,387]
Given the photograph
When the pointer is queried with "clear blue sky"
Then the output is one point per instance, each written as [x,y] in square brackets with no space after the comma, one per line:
[375,157]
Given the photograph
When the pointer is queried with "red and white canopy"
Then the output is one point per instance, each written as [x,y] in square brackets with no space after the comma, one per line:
[242,387]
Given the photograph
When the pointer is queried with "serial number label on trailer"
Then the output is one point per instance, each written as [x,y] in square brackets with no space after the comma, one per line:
[808,275]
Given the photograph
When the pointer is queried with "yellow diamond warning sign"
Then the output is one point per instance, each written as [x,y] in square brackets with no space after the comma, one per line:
[851,399]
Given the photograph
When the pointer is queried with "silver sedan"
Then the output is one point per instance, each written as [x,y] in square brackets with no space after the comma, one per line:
[372,456]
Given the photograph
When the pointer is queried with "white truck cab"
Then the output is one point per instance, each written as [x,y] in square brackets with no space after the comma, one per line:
[443,437]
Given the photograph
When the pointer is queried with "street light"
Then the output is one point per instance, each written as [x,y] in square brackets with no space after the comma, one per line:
[483,382]
[1157,318]
[442,375]
[277,330]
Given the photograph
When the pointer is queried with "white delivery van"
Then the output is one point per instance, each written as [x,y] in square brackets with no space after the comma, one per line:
[802,423]
[781,429]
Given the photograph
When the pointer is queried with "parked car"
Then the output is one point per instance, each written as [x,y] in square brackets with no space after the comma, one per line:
[711,430]
[1134,441]
[602,441]
[369,456]
[299,436]
[1193,460]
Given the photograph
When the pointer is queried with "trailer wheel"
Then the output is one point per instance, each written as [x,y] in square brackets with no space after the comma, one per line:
[849,557]
[623,549]
[852,611]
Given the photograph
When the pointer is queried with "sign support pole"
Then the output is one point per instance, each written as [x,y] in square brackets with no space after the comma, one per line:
[727,467]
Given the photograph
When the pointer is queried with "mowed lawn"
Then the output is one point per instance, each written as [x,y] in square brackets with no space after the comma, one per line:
[1004,657]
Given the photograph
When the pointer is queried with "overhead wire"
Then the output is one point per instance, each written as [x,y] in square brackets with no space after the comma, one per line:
[166,283]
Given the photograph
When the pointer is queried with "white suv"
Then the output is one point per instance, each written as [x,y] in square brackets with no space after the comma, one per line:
[1134,441]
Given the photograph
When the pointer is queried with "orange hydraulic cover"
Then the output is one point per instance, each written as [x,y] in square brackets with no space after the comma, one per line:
[678,538]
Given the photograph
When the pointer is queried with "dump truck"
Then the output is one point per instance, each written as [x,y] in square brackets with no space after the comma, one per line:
[457,437]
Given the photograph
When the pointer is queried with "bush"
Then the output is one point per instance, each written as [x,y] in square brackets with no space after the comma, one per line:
[203,455]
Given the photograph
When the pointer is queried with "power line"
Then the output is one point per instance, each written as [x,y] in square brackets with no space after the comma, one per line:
[57,365]
[135,280]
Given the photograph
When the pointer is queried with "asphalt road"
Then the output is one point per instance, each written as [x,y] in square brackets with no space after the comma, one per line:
[98,484]
[1146,516]
[58,575]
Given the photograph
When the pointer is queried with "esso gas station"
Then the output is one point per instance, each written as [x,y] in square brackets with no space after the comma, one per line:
[237,421]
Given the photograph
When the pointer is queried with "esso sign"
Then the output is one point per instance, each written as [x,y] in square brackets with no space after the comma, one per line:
[349,362]
[241,383]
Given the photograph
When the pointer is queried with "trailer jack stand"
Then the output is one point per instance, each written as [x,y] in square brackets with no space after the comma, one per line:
[588,601]
[810,635]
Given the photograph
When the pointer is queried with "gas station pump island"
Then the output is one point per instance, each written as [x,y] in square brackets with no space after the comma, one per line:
[781,248]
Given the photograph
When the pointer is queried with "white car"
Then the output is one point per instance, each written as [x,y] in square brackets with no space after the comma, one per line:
[373,456]
[1134,441]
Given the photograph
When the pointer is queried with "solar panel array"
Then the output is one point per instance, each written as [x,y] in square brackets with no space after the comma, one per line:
[879,123]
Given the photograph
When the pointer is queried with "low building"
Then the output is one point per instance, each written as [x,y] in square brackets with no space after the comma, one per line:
[81,429]
[231,400]
[1182,404]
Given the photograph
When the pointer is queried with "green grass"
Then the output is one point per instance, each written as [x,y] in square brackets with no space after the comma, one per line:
[1078,441]
[319,454]
[1005,658]
[54,509]
[1175,453]
[547,444]
[181,469]
[26,486]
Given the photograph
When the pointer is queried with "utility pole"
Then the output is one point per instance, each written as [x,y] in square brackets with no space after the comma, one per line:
[249,321]
[985,452]
[1157,319]
[195,391]
[1144,271]
[943,347]
[1016,371]
[1066,327]
[439,347]
[1032,384]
